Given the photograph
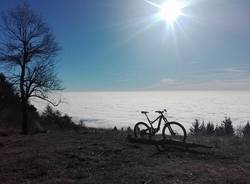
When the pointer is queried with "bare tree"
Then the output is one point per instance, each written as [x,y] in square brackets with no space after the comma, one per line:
[28,50]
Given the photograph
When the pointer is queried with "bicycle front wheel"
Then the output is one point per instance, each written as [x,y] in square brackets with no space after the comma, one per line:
[142,130]
[174,131]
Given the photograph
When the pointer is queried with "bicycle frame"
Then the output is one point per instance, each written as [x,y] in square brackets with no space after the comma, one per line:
[159,119]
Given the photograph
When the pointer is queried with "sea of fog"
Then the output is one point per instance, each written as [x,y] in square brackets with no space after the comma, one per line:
[122,109]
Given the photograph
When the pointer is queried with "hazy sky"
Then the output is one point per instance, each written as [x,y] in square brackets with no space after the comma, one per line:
[119,45]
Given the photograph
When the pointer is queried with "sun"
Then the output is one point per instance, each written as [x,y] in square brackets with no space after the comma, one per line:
[170,11]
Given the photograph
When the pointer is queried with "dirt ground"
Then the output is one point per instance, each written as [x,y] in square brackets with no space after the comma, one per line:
[106,156]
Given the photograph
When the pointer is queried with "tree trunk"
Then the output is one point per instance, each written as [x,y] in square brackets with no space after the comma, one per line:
[24,117]
[24,101]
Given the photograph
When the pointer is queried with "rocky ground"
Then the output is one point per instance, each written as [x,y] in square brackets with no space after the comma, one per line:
[106,156]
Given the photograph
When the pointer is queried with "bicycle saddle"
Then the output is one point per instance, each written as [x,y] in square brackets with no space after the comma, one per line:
[144,112]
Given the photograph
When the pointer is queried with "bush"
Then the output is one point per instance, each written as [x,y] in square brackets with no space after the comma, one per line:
[10,112]
[8,98]
[129,129]
[246,130]
[10,107]
[195,128]
[210,129]
[228,127]
[198,128]
[219,131]
[225,129]
[54,120]
[238,131]
[203,129]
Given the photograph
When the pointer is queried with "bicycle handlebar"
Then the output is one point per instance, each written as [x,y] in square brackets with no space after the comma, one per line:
[161,112]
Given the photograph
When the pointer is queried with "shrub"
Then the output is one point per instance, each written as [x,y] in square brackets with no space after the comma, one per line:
[219,131]
[115,129]
[210,129]
[228,127]
[8,97]
[129,129]
[198,128]
[246,130]
[202,130]
[195,128]
[10,112]
[238,131]
[225,129]
[54,120]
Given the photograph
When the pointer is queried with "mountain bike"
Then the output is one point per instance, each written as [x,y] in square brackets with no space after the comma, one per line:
[171,130]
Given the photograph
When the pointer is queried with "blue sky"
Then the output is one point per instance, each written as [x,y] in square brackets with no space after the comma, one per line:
[118,45]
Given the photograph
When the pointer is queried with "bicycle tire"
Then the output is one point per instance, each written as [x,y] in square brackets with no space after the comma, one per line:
[146,130]
[181,135]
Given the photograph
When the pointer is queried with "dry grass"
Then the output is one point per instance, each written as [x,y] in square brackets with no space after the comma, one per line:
[105,156]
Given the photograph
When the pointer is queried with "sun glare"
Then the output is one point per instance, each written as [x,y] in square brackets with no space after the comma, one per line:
[170,11]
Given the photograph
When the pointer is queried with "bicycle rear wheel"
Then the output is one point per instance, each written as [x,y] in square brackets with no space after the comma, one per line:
[174,131]
[142,130]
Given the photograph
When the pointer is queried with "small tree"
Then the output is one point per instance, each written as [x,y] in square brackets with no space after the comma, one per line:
[203,129]
[219,130]
[195,128]
[246,130]
[28,50]
[228,127]
[210,129]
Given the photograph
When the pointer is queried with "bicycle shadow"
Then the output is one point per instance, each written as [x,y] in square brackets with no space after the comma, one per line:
[176,149]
